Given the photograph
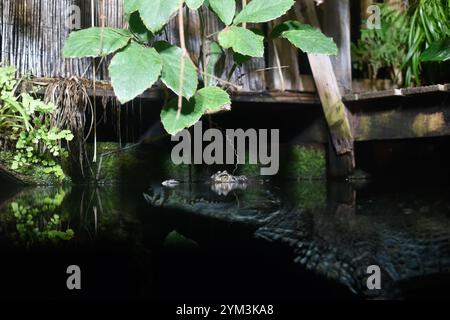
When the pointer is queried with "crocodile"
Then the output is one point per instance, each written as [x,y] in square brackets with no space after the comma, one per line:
[217,198]
[221,183]
[336,243]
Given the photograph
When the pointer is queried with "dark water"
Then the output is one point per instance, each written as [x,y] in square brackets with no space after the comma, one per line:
[268,243]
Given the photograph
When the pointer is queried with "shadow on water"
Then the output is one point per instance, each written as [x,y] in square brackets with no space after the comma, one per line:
[267,242]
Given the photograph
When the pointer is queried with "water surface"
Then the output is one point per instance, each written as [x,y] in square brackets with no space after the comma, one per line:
[267,242]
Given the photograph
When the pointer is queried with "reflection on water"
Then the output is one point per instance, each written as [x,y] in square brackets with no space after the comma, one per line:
[35,218]
[328,233]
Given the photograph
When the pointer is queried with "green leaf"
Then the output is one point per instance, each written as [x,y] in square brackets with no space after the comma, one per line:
[138,28]
[95,42]
[206,99]
[215,63]
[189,116]
[243,41]
[306,38]
[134,70]
[171,57]
[225,9]
[258,11]
[211,99]
[157,13]
[130,6]
[287,26]
[240,59]
[437,51]
[194,4]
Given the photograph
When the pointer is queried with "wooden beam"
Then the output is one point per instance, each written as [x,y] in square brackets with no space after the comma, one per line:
[337,25]
[336,114]
[421,116]
[104,89]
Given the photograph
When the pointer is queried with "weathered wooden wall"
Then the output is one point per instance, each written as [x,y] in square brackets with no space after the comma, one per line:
[33,33]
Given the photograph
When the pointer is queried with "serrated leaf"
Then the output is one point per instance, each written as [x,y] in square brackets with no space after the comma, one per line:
[211,99]
[189,116]
[258,11]
[138,28]
[437,51]
[130,6]
[287,26]
[157,13]
[95,42]
[134,70]
[306,38]
[243,41]
[225,9]
[194,4]
[206,99]
[171,57]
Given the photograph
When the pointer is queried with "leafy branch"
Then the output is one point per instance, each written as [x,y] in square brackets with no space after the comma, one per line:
[140,61]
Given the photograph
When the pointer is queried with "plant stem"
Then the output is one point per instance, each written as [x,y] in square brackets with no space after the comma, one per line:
[183,56]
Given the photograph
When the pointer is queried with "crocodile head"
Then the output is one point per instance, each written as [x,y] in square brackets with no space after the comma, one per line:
[224,177]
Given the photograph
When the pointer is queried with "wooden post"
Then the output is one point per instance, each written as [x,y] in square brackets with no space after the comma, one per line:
[337,25]
[364,5]
[341,159]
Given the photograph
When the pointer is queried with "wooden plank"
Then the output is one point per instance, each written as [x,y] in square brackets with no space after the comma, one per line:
[104,89]
[336,24]
[391,124]
[335,112]
[283,59]
[398,92]
[309,96]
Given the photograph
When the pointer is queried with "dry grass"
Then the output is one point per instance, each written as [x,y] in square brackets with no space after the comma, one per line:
[73,105]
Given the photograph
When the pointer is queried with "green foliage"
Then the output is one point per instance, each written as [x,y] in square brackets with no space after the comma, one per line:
[306,38]
[157,13]
[206,99]
[171,57]
[306,163]
[130,6]
[225,10]
[139,30]
[243,41]
[12,114]
[132,79]
[95,42]
[194,4]
[428,21]
[36,220]
[136,67]
[382,49]
[258,11]
[437,51]
[214,64]
[25,121]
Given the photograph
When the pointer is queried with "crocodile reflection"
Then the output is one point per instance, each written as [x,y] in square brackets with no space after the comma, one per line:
[338,241]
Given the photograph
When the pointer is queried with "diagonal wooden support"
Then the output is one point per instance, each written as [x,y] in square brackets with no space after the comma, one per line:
[337,116]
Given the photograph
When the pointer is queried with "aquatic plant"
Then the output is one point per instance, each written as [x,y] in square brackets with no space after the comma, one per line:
[25,124]
[140,60]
